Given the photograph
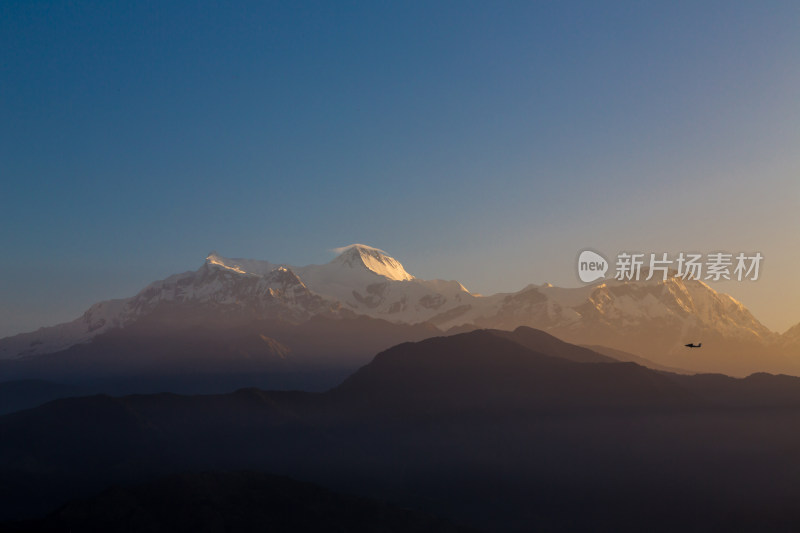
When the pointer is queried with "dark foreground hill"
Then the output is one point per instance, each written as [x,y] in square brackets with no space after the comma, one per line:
[481,429]
[27,393]
[230,501]
[205,354]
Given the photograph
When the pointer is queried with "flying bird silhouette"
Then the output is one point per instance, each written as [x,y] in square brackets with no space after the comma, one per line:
[690,345]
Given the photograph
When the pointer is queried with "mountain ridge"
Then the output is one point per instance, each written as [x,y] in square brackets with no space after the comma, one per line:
[476,426]
[652,319]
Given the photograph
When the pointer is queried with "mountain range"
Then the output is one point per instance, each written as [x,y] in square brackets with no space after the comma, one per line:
[490,429]
[252,304]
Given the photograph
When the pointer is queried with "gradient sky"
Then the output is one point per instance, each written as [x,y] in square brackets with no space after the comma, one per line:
[487,142]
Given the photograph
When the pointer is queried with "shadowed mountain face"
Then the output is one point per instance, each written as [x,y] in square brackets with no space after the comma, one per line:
[482,428]
[489,371]
[542,342]
[620,355]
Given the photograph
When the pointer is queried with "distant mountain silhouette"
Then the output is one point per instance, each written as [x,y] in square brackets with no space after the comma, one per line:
[24,394]
[484,429]
[620,355]
[493,370]
[545,343]
[175,350]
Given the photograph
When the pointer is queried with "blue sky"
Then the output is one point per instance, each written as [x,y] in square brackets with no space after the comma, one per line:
[483,141]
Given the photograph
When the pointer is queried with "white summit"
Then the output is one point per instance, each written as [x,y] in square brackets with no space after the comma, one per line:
[652,318]
[373,259]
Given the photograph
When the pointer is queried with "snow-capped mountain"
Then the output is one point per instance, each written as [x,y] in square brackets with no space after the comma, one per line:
[652,318]
[229,292]
[277,292]
[366,280]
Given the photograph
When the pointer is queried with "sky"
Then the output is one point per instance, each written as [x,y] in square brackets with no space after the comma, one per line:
[487,142]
